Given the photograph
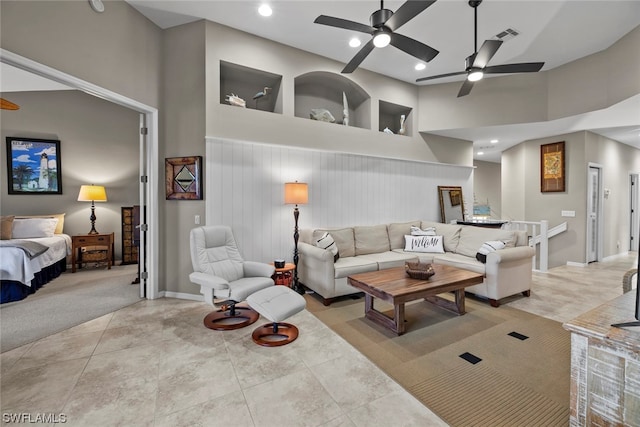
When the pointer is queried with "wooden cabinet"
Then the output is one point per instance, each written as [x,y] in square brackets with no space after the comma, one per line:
[129,243]
[104,241]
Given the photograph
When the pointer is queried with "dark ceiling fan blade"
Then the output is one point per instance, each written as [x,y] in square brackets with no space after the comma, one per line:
[360,56]
[344,23]
[465,88]
[524,67]
[413,47]
[486,52]
[406,12]
[440,76]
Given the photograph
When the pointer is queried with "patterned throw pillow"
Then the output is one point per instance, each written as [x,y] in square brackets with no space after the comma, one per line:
[417,231]
[488,247]
[429,244]
[326,242]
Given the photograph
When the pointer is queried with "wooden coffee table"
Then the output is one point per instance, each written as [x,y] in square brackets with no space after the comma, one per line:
[394,286]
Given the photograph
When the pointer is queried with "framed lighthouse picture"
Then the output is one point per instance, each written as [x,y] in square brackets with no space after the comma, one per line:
[33,166]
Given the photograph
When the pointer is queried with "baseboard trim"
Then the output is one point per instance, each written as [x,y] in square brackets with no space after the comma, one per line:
[576,264]
[183,295]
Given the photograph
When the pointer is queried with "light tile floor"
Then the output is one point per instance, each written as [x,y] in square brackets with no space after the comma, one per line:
[154,364]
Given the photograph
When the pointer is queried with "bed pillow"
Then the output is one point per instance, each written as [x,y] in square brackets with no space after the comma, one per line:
[27,228]
[326,242]
[59,217]
[7,225]
[429,244]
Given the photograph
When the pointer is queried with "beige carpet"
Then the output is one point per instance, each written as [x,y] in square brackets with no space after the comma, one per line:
[517,382]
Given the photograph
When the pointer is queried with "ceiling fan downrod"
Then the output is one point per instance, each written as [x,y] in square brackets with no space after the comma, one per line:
[474,4]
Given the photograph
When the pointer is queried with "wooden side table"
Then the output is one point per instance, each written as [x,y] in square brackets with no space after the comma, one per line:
[85,240]
[284,276]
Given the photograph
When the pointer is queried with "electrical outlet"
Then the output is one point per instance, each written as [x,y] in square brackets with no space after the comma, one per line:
[197,219]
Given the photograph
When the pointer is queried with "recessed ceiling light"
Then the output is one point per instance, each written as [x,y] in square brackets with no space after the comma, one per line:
[355,42]
[494,141]
[265,10]
[480,153]
[420,66]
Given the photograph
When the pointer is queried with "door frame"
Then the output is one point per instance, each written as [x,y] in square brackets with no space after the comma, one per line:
[634,211]
[600,212]
[149,116]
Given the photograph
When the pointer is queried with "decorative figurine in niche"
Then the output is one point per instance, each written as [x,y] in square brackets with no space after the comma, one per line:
[266,91]
[387,130]
[403,129]
[322,115]
[345,110]
[234,99]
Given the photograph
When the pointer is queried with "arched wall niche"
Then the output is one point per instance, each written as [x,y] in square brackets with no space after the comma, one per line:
[322,89]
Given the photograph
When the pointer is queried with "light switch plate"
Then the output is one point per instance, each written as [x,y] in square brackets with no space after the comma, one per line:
[568,213]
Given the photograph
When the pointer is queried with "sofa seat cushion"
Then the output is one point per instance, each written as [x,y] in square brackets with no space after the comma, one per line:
[391,259]
[423,257]
[460,261]
[345,267]
[472,239]
[371,239]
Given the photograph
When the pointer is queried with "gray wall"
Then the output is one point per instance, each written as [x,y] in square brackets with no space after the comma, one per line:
[521,192]
[98,145]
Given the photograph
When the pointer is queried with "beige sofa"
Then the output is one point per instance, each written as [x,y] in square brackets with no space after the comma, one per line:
[369,248]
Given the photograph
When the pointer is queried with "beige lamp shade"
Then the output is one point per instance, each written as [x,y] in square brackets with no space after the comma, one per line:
[92,193]
[296,193]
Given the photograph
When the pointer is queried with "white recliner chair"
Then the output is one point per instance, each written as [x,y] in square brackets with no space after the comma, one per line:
[221,273]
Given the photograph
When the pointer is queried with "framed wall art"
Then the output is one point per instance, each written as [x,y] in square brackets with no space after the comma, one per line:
[183,180]
[33,166]
[552,177]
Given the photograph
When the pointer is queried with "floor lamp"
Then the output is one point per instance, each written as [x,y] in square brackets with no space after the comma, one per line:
[296,193]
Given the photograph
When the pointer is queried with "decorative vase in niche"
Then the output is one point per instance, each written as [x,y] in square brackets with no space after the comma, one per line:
[345,110]
[403,129]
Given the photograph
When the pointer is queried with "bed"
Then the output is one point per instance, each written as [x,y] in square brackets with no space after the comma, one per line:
[27,263]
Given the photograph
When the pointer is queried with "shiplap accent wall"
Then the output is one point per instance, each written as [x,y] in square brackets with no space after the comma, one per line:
[244,189]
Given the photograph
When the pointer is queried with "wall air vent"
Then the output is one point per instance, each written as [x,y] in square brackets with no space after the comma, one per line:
[507,34]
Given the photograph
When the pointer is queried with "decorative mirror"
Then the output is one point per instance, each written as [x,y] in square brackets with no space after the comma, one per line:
[451,204]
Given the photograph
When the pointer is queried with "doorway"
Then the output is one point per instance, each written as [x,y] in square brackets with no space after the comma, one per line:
[148,159]
[594,213]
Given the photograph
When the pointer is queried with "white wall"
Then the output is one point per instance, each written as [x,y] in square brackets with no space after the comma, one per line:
[245,190]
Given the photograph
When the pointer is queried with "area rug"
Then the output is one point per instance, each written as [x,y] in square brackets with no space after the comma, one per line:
[67,301]
[490,367]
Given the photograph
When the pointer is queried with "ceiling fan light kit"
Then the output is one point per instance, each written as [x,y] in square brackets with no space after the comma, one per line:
[381,39]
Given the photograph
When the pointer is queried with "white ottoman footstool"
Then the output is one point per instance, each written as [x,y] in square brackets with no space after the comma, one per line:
[276,303]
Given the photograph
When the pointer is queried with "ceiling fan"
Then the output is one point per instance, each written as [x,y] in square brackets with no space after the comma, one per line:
[384,23]
[476,64]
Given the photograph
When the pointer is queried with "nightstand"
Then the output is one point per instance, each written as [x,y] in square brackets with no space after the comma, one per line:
[86,240]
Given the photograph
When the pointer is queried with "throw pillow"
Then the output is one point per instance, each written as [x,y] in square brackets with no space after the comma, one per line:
[7,225]
[326,242]
[417,231]
[33,227]
[430,244]
[488,247]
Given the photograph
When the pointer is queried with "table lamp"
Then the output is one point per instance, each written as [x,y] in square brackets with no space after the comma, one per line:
[92,193]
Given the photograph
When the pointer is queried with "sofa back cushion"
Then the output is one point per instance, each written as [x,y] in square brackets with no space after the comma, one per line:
[522,237]
[450,234]
[472,238]
[343,237]
[372,239]
[397,231]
